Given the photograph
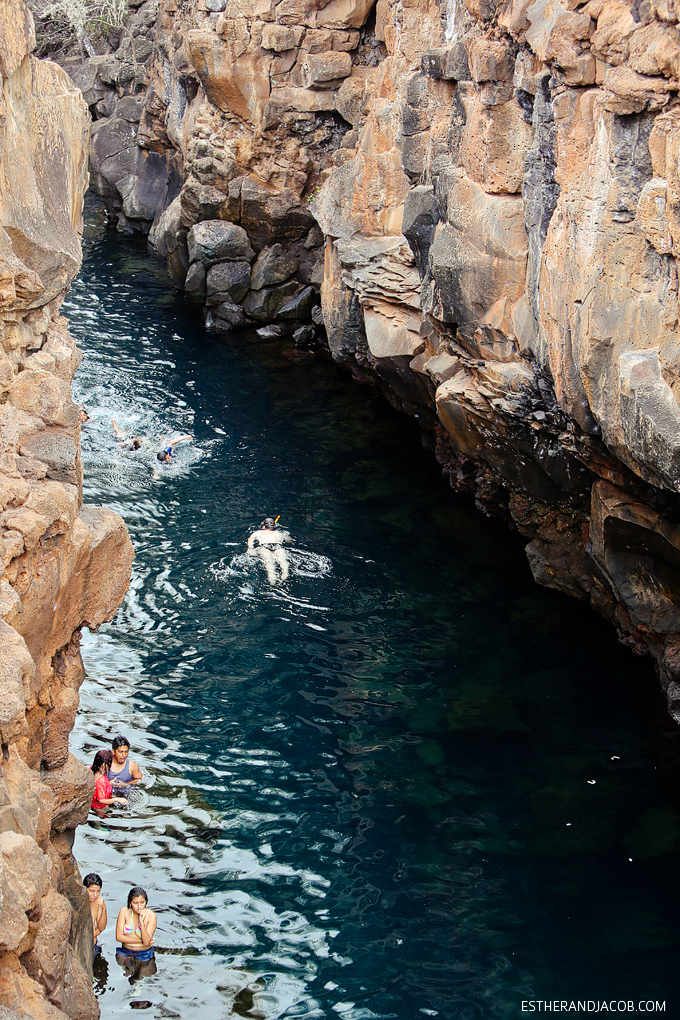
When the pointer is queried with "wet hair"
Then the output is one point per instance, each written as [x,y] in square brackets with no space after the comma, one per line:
[134,893]
[162,455]
[92,879]
[119,741]
[104,757]
[269,523]
[136,444]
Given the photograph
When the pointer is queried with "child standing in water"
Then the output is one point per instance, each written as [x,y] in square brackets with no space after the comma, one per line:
[93,884]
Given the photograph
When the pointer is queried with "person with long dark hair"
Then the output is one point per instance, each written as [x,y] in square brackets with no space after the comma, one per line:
[135,929]
[103,791]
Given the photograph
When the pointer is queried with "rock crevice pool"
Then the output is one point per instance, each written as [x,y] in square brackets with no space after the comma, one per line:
[406,782]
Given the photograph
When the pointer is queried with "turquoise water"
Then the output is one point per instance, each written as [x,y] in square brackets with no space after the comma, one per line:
[406,782]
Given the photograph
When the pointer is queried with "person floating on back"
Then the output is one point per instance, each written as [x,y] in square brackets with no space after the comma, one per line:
[103,791]
[123,772]
[270,549]
[93,884]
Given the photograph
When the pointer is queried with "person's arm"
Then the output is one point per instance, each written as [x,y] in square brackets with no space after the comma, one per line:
[180,439]
[136,774]
[251,541]
[120,925]
[147,925]
[101,788]
[119,432]
[102,920]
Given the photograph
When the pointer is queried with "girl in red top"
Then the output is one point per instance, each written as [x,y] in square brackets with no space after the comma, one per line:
[103,791]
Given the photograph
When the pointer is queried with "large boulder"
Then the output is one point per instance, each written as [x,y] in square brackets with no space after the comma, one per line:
[217,240]
[227,281]
[273,265]
[264,304]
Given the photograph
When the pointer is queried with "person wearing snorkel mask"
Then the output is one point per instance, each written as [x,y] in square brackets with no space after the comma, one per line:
[270,549]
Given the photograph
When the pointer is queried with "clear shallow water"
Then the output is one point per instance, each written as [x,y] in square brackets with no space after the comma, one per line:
[406,782]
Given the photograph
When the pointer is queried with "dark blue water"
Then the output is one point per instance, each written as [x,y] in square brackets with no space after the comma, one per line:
[406,782]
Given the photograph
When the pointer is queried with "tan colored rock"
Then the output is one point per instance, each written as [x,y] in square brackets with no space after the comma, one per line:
[318,69]
[491,60]
[478,257]
[281,37]
[651,215]
[557,34]
[615,26]
[72,786]
[18,37]
[234,81]
[495,142]
[391,333]
[25,875]
[341,14]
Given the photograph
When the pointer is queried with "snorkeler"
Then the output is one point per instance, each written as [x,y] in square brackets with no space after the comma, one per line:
[167,452]
[269,548]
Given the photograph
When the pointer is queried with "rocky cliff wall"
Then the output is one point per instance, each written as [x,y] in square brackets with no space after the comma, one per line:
[64,565]
[498,194]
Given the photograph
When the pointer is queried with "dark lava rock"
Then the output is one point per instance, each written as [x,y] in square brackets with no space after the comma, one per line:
[273,265]
[224,318]
[419,222]
[227,281]
[264,304]
[194,285]
[304,335]
[215,240]
[301,305]
[114,155]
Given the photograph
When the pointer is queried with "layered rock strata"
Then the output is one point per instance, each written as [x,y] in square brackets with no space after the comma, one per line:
[64,565]
[497,189]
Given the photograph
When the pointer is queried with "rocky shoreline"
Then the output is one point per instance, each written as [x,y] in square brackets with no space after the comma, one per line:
[64,565]
[473,205]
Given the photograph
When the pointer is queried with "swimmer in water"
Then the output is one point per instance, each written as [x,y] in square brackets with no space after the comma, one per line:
[83,416]
[131,443]
[167,453]
[270,549]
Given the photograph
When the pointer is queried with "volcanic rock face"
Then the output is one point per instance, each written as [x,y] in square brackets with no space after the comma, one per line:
[64,566]
[497,185]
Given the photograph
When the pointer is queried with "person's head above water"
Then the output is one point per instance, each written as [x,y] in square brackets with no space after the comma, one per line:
[92,879]
[269,524]
[104,757]
[164,456]
[121,748]
[136,894]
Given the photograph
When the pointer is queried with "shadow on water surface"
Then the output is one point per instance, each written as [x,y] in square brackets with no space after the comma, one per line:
[410,784]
